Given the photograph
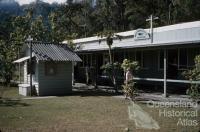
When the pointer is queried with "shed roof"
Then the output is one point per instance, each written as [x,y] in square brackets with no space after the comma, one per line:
[54,52]
[22,59]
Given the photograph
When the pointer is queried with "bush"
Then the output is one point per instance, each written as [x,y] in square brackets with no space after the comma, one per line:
[194,75]
[127,64]
[113,72]
[129,88]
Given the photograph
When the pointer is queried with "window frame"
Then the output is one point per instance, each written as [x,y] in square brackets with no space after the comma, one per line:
[141,60]
[143,67]
[179,59]
[159,55]
[178,56]
[85,59]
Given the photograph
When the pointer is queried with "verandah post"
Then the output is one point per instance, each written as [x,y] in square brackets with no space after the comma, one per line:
[165,73]
[29,40]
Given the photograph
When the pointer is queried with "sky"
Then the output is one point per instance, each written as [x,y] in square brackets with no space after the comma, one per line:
[21,2]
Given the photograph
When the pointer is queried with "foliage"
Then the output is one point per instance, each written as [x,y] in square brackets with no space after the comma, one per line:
[118,15]
[109,36]
[130,89]
[7,52]
[194,75]
[12,38]
[70,39]
[127,64]
[59,22]
[108,68]
[65,21]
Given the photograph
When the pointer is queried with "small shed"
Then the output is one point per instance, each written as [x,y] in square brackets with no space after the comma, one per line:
[51,69]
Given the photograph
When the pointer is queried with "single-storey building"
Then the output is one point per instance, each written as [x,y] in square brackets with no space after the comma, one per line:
[163,53]
[51,70]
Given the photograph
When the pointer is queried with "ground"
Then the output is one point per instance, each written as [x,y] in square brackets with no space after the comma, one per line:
[82,111]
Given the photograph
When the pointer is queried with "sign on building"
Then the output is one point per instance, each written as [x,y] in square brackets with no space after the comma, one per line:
[141,34]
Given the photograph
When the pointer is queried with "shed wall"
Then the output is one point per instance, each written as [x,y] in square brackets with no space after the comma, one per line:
[58,84]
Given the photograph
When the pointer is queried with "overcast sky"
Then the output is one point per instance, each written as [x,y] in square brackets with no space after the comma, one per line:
[21,2]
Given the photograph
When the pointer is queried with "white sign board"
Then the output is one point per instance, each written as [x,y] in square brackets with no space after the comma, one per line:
[141,34]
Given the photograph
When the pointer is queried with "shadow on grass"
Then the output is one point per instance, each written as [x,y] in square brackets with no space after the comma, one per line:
[11,102]
[93,93]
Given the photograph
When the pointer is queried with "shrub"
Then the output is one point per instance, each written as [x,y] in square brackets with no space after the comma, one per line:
[129,88]
[113,72]
[127,64]
[194,75]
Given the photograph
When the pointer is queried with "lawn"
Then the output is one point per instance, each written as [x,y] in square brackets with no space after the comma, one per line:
[79,112]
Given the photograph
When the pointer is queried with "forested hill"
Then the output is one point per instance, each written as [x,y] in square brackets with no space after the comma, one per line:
[117,15]
[12,8]
[84,18]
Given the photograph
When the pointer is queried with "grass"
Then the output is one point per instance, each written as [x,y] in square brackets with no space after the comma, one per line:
[91,112]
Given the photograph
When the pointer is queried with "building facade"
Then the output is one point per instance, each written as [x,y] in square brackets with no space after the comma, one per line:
[162,56]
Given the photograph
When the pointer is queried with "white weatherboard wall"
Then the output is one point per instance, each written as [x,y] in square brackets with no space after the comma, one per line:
[59,84]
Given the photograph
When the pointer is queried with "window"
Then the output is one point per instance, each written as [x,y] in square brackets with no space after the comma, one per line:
[105,59]
[139,58]
[192,53]
[176,58]
[87,60]
[183,60]
[132,55]
[50,68]
[126,54]
[119,56]
[146,58]
[161,59]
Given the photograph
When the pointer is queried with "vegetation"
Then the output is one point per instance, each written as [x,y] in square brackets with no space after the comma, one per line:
[129,88]
[132,65]
[110,68]
[79,113]
[194,75]
[59,22]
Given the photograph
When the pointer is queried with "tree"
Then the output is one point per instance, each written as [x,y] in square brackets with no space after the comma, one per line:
[39,31]
[7,52]
[12,36]
[194,75]
[65,21]
[109,37]
[120,16]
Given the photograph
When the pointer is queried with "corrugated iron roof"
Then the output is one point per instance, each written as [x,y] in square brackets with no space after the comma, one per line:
[179,26]
[53,52]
